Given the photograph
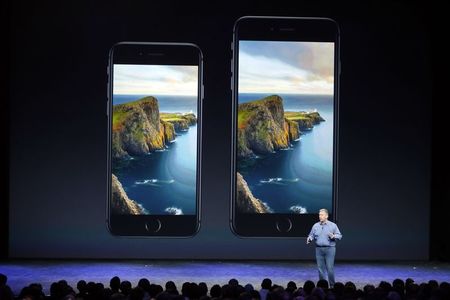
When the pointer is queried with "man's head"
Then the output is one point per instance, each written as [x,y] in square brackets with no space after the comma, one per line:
[323,214]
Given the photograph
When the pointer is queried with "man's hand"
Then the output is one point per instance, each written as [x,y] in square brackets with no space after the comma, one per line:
[308,240]
[331,235]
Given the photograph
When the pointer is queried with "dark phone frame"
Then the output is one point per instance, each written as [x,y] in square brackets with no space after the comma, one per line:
[281,29]
[182,226]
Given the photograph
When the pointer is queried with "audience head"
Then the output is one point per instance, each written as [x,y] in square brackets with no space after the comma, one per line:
[114,283]
[433,284]
[308,286]
[322,283]
[393,295]
[125,287]
[216,291]
[144,284]
[170,285]
[255,295]
[291,286]
[154,290]
[233,281]
[248,287]
[136,293]
[82,286]
[266,284]
[318,293]
[203,288]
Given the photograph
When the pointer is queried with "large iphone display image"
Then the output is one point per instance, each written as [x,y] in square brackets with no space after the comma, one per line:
[285,127]
[154,139]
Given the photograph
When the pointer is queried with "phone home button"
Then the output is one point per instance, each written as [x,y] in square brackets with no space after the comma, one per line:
[284,225]
[153,225]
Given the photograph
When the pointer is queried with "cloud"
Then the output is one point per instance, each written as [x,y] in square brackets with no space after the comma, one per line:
[286,67]
[155,80]
[317,58]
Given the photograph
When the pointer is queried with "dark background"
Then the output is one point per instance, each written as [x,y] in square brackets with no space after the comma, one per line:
[393,189]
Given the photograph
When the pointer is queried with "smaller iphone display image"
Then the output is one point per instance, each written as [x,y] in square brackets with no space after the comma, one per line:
[154,139]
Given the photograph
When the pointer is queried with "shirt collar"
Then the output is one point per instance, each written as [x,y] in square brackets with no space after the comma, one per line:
[324,223]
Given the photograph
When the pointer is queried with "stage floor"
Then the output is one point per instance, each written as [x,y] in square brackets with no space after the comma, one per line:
[22,273]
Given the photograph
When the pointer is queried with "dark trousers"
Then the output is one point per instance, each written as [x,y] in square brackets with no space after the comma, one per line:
[325,263]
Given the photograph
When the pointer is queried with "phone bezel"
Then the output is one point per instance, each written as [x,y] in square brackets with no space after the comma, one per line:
[173,226]
[247,225]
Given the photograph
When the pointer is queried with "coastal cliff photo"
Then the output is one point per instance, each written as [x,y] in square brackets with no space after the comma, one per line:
[284,130]
[154,139]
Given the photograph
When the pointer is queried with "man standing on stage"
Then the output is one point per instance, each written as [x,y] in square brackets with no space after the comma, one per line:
[325,233]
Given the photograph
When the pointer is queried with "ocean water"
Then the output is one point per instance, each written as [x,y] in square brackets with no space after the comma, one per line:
[164,181]
[298,179]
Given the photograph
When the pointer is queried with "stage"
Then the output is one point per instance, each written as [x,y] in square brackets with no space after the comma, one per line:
[23,272]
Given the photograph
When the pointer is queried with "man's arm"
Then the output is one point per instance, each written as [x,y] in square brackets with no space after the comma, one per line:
[310,235]
[337,234]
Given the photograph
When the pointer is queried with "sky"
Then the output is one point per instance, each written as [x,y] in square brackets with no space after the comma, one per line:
[155,80]
[286,67]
